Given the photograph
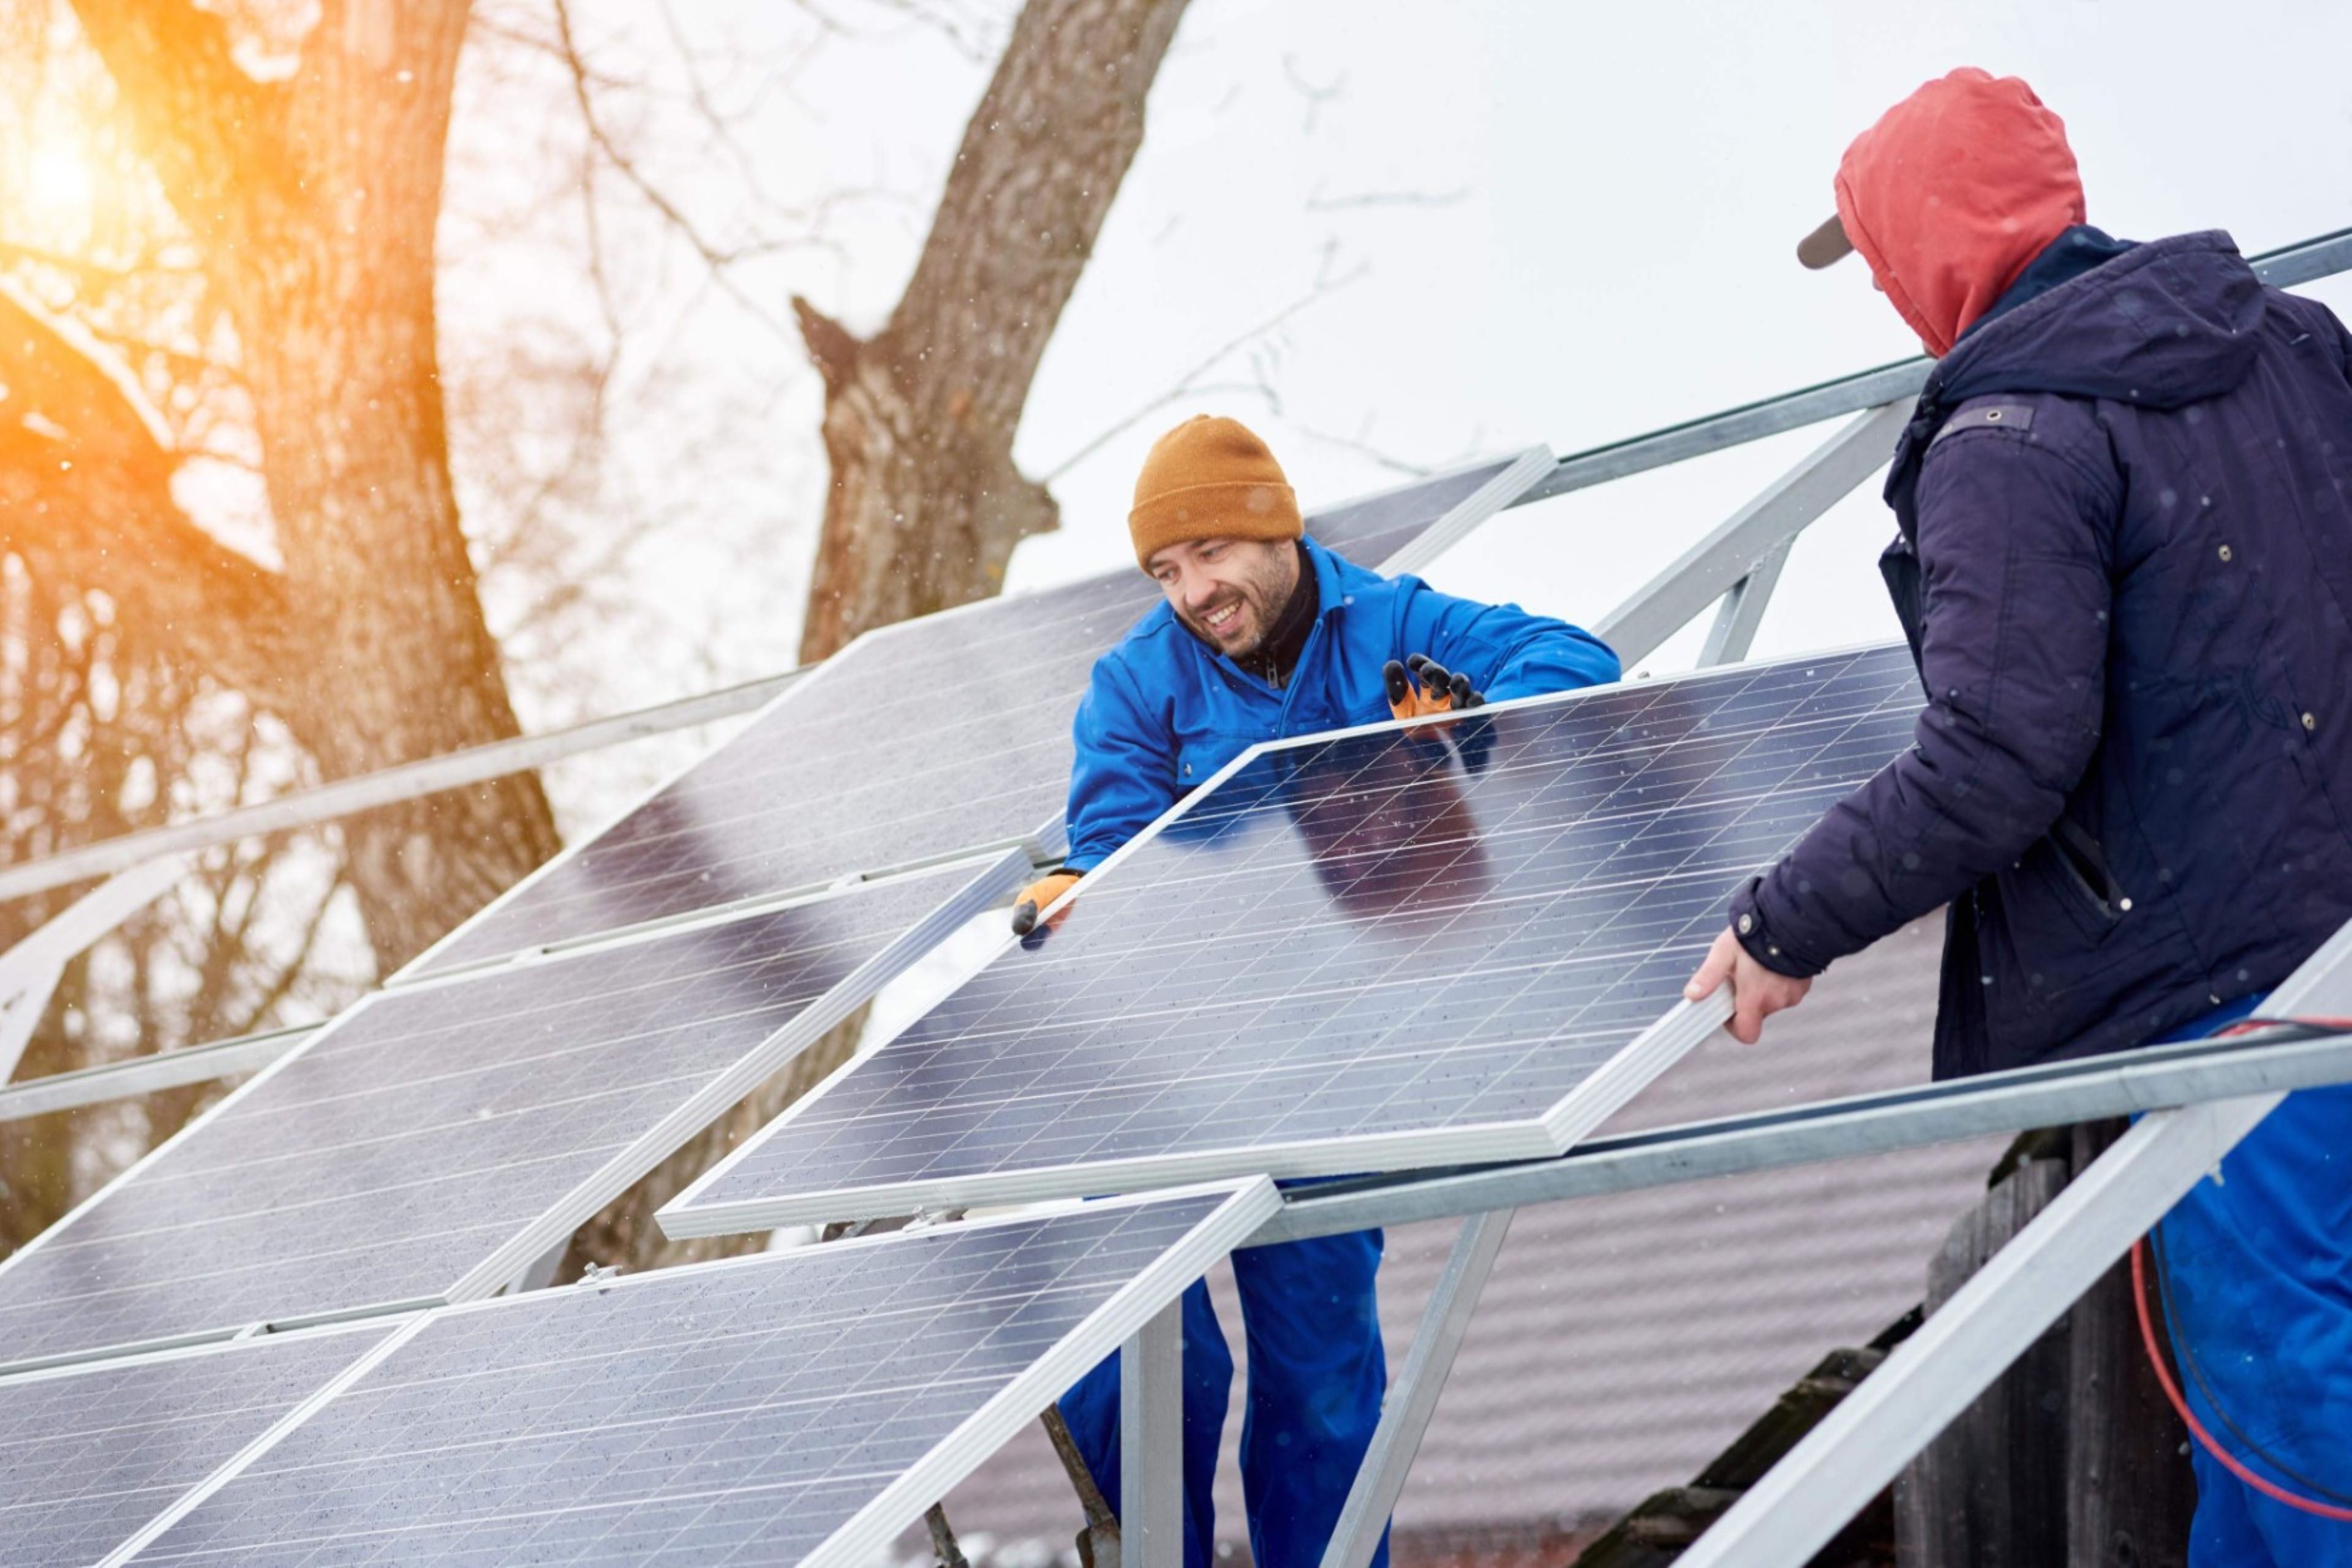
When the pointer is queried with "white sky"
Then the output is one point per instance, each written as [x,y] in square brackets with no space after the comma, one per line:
[1607,198]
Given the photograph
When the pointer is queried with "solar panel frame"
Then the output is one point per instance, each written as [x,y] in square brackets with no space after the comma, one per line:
[984,886]
[1678,1029]
[138,1489]
[1513,475]
[1234,1211]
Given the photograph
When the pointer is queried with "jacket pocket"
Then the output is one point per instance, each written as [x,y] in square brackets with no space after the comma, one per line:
[2085,880]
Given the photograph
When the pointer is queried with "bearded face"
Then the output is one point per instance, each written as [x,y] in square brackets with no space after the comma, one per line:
[1230,591]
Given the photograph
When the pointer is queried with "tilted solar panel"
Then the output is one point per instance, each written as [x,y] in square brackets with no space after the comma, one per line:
[436,1138]
[796,1407]
[1379,950]
[90,1456]
[931,736]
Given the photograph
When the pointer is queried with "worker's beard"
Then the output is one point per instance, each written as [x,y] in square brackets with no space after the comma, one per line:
[1258,598]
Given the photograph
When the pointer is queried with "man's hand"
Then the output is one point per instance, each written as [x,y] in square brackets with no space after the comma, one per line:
[1037,896]
[1420,686]
[1757,993]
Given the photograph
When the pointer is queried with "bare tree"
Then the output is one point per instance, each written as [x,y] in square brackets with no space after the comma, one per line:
[926,503]
[309,204]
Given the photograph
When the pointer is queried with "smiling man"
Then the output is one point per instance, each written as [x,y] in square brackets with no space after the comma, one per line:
[1266,634]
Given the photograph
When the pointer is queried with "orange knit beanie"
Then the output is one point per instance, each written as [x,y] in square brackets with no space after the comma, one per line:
[1210,478]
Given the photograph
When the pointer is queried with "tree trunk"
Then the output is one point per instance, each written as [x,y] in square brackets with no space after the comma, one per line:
[346,389]
[927,503]
[315,201]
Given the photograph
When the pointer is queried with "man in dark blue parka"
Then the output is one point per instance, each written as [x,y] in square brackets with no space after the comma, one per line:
[2125,569]
[1266,634]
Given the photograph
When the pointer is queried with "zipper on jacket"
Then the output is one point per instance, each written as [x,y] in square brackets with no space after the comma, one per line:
[1306,652]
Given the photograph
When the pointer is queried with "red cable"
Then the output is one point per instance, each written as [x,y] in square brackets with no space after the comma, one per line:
[2172,1392]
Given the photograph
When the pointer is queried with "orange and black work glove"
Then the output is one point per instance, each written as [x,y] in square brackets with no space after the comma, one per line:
[1420,686]
[1037,896]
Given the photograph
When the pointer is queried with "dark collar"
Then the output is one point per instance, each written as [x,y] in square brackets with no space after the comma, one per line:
[1276,659]
[2080,249]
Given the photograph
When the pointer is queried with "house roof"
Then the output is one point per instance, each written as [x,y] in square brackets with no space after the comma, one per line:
[1621,1342]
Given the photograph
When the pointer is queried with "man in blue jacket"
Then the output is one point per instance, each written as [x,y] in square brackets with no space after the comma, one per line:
[2126,570]
[1266,634]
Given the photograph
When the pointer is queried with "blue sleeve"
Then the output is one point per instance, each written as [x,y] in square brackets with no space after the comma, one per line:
[1125,776]
[1504,650]
[2014,541]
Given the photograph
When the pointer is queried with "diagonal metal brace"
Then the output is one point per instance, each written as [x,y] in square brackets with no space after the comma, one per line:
[1412,1399]
[30,971]
[1933,1376]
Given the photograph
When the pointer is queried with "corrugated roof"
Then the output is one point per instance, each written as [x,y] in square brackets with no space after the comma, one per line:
[1621,1342]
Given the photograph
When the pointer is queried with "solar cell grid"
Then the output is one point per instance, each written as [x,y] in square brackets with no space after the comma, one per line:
[798,1407]
[930,736]
[438,1137]
[1381,949]
[90,1456]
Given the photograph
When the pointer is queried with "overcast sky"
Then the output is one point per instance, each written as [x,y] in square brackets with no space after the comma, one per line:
[1558,223]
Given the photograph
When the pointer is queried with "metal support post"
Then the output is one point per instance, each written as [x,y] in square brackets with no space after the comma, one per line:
[1413,1397]
[1760,531]
[1935,1375]
[29,972]
[1151,1443]
[1741,612]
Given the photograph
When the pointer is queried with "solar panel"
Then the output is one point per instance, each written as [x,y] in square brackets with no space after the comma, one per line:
[436,1138]
[1370,950]
[797,1407]
[927,737]
[90,1456]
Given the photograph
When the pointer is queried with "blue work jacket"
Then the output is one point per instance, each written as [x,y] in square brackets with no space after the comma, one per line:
[1164,711]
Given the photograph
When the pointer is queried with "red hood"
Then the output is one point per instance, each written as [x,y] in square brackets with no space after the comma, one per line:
[1953,192]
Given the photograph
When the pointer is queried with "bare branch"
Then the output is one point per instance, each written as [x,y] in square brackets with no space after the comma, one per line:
[85,489]
[1188,384]
[717,257]
[1321,204]
[195,115]
[1316,97]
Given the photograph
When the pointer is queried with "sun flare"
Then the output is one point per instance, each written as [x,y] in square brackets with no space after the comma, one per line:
[58,181]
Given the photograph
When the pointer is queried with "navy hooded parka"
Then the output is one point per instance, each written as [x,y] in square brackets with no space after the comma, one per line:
[2126,570]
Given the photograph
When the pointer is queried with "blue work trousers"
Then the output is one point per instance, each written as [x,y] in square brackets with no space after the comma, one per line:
[2258,1284]
[1317,1371]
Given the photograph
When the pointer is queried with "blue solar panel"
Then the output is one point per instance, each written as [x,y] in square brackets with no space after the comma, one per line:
[90,1456]
[438,1137]
[1384,950]
[800,1407]
[923,738]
